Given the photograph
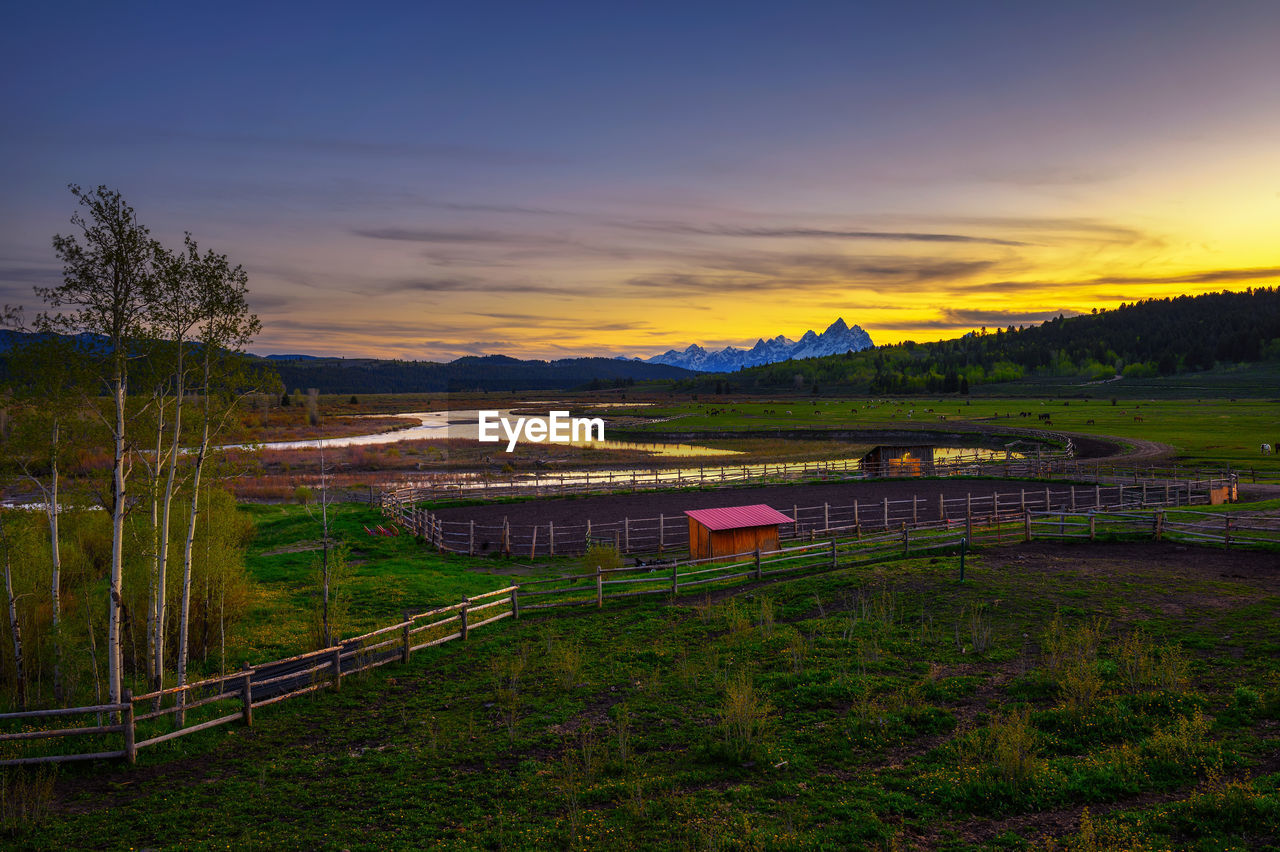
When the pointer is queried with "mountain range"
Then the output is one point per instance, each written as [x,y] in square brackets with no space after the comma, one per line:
[836,340]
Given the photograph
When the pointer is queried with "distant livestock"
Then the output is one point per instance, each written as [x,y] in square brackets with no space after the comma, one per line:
[1266,449]
[1043,417]
[1088,422]
[1137,418]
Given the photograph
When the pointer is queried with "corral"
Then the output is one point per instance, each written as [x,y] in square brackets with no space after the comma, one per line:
[653,522]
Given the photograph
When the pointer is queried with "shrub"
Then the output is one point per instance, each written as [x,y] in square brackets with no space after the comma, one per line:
[603,556]
[1182,748]
[1014,746]
[303,495]
[743,716]
[566,663]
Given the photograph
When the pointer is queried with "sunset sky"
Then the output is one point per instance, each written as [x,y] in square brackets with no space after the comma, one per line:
[428,180]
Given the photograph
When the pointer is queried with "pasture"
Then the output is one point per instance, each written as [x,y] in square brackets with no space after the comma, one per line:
[1114,696]
[1202,432]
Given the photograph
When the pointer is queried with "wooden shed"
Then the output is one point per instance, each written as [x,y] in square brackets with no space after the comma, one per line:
[899,460]
[722,533]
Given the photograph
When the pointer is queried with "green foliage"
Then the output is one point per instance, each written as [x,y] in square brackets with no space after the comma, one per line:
[744,716]
[331,608]
[1147,339]
[603,556]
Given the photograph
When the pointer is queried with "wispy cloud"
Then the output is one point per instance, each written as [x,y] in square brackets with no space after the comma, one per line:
[792,232]
[430,235]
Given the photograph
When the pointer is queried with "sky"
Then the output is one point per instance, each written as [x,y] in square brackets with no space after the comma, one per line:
[430,180]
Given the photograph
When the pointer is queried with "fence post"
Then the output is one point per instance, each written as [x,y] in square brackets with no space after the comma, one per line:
[246,696]
[826,516]
[1159,524]
[471,539]
[406,650]
[968,517]
[662,532]
[1093,526]
[942,507]
[515,602]
[1097,496]
[1226,532]
[915,508]
[626,535]
[757,563]
[1023,504]
[886,513]
[1073,498]
[599,588]
[833,550]
[533,545]
[506,536]
[1144,493]
[551,537]
[127,727]
[906,538]
[337,668]
[1046,499]
[1026,525]
[463,614]
[795,519]
[675,586]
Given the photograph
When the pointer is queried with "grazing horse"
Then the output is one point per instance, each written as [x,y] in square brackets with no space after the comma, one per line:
[1266,449]
[1137,418]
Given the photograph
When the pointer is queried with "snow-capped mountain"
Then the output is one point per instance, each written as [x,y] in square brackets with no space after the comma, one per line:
[837,339]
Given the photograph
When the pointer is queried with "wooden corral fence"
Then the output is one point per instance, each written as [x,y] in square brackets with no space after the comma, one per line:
[126,730]
[847,547]
[668,533]
[483,486]
[120,730]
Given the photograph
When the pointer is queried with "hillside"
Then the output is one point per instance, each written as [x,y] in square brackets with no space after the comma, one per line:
[487,373]
[1139,342]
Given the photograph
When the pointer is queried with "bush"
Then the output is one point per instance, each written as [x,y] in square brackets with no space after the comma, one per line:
[303,495]
[743,717]
[603,556]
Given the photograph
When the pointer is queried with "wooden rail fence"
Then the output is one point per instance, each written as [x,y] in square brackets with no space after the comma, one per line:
[135,723]
[839,547]
[669,533]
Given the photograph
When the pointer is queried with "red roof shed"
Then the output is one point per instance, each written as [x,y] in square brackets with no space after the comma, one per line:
[723,533]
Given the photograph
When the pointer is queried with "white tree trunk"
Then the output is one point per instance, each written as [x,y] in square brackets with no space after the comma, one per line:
[115,600]
[162,555]
[184,618]
[56,580]
[14,627]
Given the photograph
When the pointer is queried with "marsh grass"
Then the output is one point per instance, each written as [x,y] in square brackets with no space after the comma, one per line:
[26,796]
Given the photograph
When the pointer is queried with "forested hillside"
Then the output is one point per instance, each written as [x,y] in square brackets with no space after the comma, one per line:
[1156,337]
[489,373]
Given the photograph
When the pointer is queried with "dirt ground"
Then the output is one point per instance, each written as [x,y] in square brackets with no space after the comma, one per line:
[649,504]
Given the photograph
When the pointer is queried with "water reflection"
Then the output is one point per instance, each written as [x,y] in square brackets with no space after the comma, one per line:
[464,424]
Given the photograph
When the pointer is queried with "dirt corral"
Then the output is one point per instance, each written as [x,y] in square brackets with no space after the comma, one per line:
[653,521]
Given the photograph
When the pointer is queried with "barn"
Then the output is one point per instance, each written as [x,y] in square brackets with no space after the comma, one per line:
[898,460]
[721,533]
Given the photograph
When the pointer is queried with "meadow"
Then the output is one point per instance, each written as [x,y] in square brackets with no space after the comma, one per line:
[1114,696]
[1109,696]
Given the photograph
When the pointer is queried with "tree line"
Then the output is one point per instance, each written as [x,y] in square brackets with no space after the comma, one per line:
[1153,337]
[109,411]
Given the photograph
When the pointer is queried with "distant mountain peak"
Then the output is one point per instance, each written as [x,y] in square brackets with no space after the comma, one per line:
[837,339]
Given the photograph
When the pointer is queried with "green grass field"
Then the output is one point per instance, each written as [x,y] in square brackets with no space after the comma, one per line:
[1113,696]
[882,707]
[1204,432]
